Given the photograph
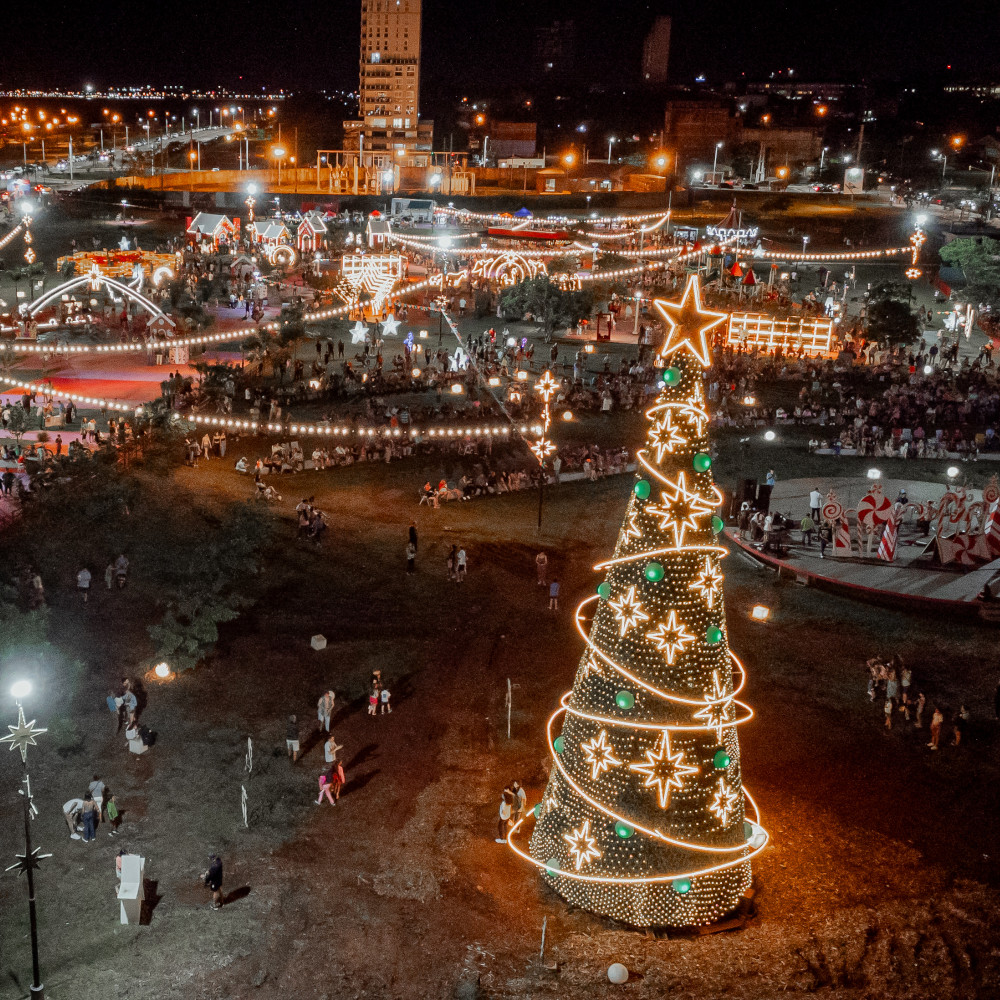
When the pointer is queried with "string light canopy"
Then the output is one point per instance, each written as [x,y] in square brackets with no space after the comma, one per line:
[645,818]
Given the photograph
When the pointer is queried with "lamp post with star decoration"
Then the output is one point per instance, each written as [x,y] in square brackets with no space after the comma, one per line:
[645,818]
[20,738]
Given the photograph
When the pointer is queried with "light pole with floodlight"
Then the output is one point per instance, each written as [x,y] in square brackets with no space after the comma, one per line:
[21,737]
[715,160]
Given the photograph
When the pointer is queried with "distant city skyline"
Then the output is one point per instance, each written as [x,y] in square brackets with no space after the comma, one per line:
[468,46]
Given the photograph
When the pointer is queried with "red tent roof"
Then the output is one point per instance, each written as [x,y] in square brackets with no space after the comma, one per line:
[696,247]
[736,271]
[750,278]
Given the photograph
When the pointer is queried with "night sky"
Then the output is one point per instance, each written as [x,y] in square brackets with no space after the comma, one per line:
[313,45]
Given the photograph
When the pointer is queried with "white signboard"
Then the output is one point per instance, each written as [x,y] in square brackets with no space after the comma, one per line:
[854,180]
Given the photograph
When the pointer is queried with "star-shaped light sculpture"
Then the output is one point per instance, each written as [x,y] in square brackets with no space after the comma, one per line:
[390,326]
[663,770]
[27,862]
[359,333]
[718,707]
[96,278]
[546,386]
[664,436]
[680,509]
[628,611]
[550,804]
[600,754]
[591,667]
[632,529]
[708,582]
[582,846]
[723,802]
[671,637]
[542,449]
[689,324]
[22,735]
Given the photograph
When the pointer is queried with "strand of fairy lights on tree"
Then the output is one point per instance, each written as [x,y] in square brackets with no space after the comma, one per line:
[4,240]
[688,599]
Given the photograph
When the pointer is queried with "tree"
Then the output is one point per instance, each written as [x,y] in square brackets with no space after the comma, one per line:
[643,816]
[551,305]
[979,260]
[891,322]
[17,424]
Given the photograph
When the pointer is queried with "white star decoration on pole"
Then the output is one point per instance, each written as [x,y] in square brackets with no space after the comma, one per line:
[664,437]
[22,735]
[359,333]
[628,611]
[390,326]
[582,846]
[600,754]
[724,802]
[663,770]
[680,509]
[671,637]
[708,583]
[718,706]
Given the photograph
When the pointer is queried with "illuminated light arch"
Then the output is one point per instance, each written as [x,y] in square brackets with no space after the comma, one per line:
[95,279]
[509,268]
[282,255]
[162,273]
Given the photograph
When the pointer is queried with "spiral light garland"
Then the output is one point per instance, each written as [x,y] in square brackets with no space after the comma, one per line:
[645,818]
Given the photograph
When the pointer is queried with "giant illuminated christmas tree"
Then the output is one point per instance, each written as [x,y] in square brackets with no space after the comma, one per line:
[645,818]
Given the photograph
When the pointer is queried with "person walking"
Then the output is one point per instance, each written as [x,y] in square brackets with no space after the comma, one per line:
[506,809]
[383,698]
[520,798]
[90,813]
[937,719]
[919,715]
[413,535]
[325,789]
[373,698]
[292,738]
[959,723]
[461,565]
[554,595]
[542,566]
[109,575]
[337,780]
[213,880]
[324,709]
[83,583]
[411,557]
[887,709]
[452,555]
[330,748]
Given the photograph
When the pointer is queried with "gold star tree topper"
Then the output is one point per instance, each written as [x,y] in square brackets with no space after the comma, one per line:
[688,324]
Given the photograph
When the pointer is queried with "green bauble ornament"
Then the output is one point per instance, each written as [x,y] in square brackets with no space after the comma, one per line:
[552,866]
[717,524]
[721,759]
[604,591]
[654,572]
[713,634]
[747,830]
[558,743]
[537,810]
[672,376]
[641,489]
[682,886]
[625,700]
[624,830]
[702,462]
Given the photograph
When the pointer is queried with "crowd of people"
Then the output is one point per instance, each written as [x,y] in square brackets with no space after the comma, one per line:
[890,686]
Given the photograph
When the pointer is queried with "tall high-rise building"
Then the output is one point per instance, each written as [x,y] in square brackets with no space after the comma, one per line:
[389,88]
[656,53]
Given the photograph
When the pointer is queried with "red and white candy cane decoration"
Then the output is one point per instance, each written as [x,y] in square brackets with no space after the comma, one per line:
[842,538]
[887,547]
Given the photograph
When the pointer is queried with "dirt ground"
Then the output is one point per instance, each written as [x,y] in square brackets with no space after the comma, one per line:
[881,878]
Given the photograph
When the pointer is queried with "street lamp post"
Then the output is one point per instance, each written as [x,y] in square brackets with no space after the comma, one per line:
[805,243]
[21,737]
[278,152]
[822,157]
[611,141]
[715,160]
